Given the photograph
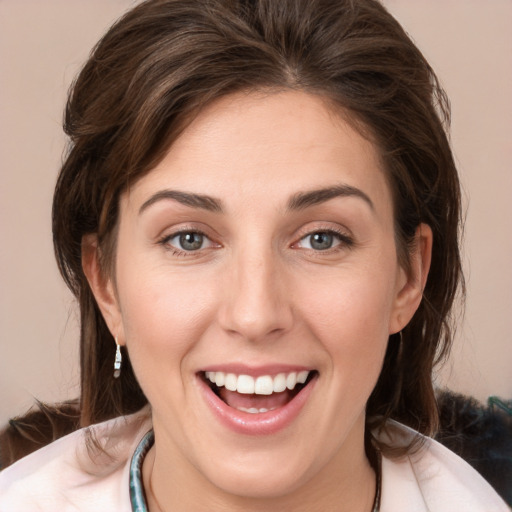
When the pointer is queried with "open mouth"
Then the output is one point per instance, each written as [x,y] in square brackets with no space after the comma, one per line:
[257,395]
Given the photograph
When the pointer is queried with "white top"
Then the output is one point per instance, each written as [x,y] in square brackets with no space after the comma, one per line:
[71,475]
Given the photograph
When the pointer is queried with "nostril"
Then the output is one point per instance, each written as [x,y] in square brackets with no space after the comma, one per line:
[255,307]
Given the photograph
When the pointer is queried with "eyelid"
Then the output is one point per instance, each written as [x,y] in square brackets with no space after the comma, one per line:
[344,237]
[205,238]
[306,239]
[164,240]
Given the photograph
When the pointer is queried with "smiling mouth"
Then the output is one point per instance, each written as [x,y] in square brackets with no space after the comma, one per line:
[257,395]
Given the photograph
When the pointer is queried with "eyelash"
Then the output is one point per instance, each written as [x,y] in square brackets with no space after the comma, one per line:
[165,242]
[345,241]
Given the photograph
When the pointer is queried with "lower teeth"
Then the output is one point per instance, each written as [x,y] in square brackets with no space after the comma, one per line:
[253,410]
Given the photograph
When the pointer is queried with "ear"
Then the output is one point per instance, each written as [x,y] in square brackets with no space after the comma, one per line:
[102,287]
[410,285]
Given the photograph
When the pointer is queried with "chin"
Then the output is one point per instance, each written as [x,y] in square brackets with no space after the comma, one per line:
[265,480]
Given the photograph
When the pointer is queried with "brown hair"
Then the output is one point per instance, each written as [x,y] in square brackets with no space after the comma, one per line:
[166,59]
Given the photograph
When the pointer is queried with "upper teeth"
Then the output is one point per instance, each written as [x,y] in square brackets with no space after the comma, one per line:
[262,385]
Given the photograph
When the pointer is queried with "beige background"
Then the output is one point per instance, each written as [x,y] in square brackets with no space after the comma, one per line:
[42,45]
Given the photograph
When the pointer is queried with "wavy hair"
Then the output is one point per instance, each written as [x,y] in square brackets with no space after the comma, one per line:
[165,60]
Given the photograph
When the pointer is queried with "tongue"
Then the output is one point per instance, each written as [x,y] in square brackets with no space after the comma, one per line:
[273,401]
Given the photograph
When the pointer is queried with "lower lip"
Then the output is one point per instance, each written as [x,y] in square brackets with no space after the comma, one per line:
[259,424]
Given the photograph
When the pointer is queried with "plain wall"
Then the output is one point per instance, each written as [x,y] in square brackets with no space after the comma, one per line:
[43,44]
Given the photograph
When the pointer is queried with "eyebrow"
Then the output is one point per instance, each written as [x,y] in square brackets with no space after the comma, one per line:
[194,200]
[303,200]
[299,201]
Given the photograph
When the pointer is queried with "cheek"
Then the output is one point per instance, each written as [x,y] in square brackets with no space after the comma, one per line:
[357,302]
[163,314]
[350,318]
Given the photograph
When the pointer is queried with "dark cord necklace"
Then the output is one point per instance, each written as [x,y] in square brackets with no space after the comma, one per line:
[378,481]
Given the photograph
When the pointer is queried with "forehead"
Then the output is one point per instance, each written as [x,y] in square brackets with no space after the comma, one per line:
[274,144]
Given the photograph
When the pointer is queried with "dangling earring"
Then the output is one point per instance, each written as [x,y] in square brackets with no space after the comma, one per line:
[118,360]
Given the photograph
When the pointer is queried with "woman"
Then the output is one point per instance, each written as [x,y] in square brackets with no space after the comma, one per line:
[253,199]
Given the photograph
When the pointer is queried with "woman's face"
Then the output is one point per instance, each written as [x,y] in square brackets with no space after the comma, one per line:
[260,252]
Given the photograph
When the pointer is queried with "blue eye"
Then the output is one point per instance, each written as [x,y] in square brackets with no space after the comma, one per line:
[323,240]
[320,241]
[188,241]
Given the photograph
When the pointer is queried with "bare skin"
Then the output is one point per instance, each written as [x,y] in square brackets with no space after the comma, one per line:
[229,256]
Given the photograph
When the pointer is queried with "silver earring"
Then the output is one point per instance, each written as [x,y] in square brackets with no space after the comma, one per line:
[118,360]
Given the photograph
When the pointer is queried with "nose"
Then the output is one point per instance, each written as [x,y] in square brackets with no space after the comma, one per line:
[256,306]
